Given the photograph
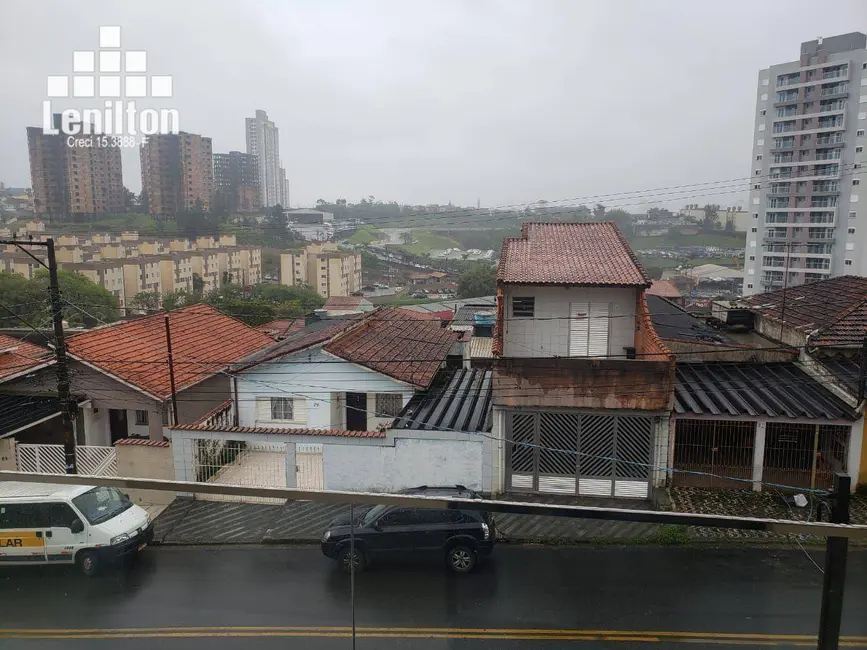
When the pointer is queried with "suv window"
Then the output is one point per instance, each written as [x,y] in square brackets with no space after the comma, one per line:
[440,516]
[400,517]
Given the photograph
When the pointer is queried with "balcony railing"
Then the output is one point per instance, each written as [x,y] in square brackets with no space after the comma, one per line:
[830,139]
[834,74]
[835,90]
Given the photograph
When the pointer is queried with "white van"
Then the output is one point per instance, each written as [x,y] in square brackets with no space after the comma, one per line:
[65,524]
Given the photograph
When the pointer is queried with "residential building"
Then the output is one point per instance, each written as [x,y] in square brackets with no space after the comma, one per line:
[73,180]
[176,272]
[123,369]
[326,397]
[177,172]
[806,420]
[665,289]
[263,141]
[141,274]
[577,366]
[108,274]
[236,180]
[334,273]
[807,166]
[206,265]
[293,267]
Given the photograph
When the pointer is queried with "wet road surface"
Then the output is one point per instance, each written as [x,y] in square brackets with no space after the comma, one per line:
[232,598]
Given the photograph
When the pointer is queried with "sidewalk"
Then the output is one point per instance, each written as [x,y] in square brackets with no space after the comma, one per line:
[189,521]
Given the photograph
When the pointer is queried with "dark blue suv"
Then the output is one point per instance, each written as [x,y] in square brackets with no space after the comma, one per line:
[462,537]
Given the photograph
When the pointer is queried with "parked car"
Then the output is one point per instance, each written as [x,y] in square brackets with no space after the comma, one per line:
[461,537]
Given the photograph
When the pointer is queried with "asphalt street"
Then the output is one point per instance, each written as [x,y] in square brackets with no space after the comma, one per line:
[227,598]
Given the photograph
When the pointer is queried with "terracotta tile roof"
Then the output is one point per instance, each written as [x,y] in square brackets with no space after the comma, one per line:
[315,333]
[664,288]
[836,309]
[141,442]
[280,329]
[343,302]
[407,349]
[204,342]
[591,254]
[20,357]
[445,314]
[284,432]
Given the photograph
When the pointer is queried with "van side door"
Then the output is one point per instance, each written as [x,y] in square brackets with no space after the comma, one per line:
[60,542]
[22,533]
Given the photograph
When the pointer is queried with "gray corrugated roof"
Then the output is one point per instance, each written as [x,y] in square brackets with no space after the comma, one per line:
[458,400]
[464,314]
[755,389]
[20,411]
[846,370]
[673,322]
[452,305]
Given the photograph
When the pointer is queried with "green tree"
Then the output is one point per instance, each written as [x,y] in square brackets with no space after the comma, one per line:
[599,212]
[406,236]
[24,298]
[180,298]
[129,199]
[85,302]
[197,221]
[148,301]
[302,297]
[711,217]
[198,285]
[622,218]
[143,203]
[478,280]
[655,272]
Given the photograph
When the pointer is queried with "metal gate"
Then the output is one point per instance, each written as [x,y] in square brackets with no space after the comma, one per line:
[309,473]
[805,455]
[708,451]
[579,453]
[51,459]
[236,462]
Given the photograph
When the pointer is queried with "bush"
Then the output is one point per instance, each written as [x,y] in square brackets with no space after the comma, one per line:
[673,535]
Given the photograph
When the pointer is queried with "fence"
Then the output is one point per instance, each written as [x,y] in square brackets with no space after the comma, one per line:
[707,451]
[50,459]
[238,462]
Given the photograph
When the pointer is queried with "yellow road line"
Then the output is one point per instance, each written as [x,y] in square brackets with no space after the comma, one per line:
[528,634]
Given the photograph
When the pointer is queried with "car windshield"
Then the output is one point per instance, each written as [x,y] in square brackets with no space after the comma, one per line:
[101,504]
[373,514]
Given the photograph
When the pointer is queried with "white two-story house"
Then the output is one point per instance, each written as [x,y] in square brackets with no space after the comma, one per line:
[583,387]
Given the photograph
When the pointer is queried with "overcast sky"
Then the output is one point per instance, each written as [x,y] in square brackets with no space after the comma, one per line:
[434,101]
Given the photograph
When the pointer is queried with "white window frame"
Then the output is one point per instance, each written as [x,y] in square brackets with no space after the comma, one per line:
[589,329]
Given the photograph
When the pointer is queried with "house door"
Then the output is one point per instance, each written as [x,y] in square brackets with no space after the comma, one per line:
[356,411]
[117,424]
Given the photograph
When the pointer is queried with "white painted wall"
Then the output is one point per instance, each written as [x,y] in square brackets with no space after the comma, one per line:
[317,377]
[135,429]
[409,463]
[547,334]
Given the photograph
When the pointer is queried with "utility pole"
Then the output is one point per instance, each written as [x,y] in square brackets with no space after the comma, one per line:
[68,406]
[836,550]
[171,370]
[862,374]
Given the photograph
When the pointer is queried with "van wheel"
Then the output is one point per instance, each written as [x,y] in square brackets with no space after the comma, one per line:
[89,563]
[346,560]
[461,559]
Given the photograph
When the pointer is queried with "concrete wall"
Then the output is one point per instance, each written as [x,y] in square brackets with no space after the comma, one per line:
[410,462]
[7,455]
[146,461]
[547,333]
[317,377]
[196,401]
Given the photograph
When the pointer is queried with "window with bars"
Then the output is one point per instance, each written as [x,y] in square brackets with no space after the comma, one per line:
[282,408]
[388,405]
[141,418]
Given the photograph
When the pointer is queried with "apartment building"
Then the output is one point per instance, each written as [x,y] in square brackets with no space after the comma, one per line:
[236,180]
[263,141]
[75,180]
[141,274]
[177,172]
[108,274]
[334,273]
[293,267]
[808,164]
[206,265]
